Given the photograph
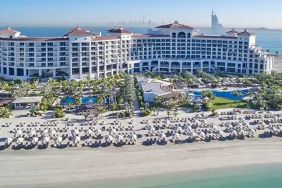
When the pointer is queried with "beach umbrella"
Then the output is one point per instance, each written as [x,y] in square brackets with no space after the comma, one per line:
[234,132]
[197,122]
[45,132]
[188,128]
[32,133]
[194,134]
[98,131]
[179,130]
[109,138]
[20,141]
[175,136]
[162,136]
[53,132]
[119,138]
[252,131]
[151,129]
[167,122]
[19,133]
[9,141]
[46,140]
[74,132]
[89,132]
[133,137]
[76,140]
[34,140]
[112,131]
[59,140]
[187,122]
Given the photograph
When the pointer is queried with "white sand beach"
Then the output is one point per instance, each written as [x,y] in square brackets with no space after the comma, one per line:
[84,167]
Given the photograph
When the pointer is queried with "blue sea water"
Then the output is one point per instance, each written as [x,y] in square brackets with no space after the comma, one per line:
[251,176]
[268,39]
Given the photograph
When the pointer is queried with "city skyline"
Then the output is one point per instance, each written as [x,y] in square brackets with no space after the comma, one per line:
[242,13]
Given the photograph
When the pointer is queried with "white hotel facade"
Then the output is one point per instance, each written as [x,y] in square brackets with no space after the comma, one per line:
[167,48]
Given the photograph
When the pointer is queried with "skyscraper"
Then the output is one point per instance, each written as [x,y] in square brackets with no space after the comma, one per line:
[216,27]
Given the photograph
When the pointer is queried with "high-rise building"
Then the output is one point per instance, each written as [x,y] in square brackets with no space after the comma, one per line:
[170,48]
[216,27]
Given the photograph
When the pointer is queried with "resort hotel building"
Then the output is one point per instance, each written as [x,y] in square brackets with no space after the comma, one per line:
[171,48]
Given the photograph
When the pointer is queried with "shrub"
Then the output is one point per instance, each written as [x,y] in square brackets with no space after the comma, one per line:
[146,112]
[196,108]
[121,115]
[127,114]
[59,113]
[5,112]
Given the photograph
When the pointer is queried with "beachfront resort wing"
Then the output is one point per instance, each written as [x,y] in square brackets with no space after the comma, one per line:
[170,48]
[27,102]
[152,88]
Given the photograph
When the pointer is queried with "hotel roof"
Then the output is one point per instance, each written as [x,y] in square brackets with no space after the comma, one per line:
[233,31]
[35,99]
[118,30]
[246,32]
[156,87]
[78,32]
[175,25]
[8,31]
[46,39]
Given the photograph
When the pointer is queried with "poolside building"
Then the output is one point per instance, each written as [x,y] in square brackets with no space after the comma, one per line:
[170,48]
[26,102]
[152,88]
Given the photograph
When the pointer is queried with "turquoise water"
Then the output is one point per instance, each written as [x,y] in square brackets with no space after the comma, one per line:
[262,176]
[84,100]
[225,94]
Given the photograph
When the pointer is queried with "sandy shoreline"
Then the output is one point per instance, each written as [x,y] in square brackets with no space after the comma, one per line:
[53,167]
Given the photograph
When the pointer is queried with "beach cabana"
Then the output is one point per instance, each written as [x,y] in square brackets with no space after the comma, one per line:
[25,102]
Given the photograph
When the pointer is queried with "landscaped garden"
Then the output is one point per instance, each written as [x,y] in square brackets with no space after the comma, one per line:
[118,93]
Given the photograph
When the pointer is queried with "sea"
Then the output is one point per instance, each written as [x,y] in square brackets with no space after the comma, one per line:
[266,38]
[252,176]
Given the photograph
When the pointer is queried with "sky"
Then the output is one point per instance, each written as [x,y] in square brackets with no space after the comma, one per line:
[196,13]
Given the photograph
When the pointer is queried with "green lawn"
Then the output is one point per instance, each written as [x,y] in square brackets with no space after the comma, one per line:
[221,103]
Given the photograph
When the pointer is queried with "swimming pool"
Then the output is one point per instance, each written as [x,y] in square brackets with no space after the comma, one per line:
[84,100]
[225,94]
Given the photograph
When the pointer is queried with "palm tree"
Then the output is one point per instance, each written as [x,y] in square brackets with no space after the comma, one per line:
[86,115]
[59,113]
[70,106]
[168,112]
[175,113]
[32,111]
[196,108]
[237,94]
[207,94]
[159,101]
[154,110]
[5,112]
[77,100]
[44,105]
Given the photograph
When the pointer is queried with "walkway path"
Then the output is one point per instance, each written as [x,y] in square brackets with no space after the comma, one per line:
[136,106]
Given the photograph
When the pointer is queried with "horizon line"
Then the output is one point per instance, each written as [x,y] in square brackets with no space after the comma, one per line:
[128,25]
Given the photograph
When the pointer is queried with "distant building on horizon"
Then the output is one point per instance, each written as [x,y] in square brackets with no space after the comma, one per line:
[216,27]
